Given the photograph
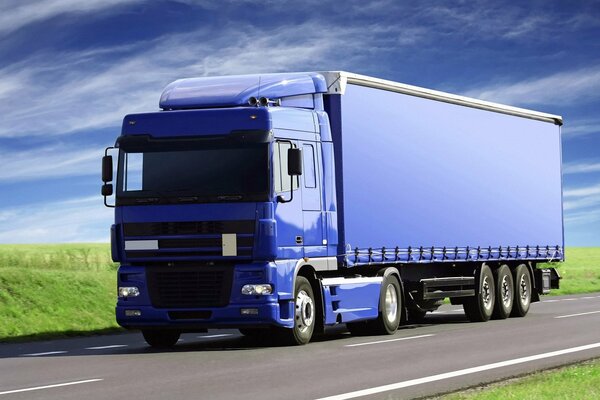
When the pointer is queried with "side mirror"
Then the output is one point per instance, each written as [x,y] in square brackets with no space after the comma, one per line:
[294,169]
[107,170]
[107,189]
[294,161]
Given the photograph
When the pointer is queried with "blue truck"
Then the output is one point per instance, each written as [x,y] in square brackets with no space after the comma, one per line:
[280,204]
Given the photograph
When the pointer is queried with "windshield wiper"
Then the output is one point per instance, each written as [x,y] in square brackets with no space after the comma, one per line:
[230,198]
[188,199]
[146,200]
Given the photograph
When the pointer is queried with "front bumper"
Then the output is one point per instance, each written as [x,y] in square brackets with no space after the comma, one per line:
[191,319]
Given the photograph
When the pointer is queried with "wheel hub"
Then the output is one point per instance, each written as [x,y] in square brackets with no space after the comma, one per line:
[304,311]
[506,291]
[486,295]
[391,303]
[524,294]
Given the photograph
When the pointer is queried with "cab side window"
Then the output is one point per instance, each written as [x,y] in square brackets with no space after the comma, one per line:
[280,170]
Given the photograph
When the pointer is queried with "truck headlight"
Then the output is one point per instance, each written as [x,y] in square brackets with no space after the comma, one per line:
[128,291]
[258,289]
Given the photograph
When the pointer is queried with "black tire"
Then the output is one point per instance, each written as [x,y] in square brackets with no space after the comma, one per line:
[161,338]
[523,291]
[505,293]
[390,310]
[305,313]
[390,307]
[480,307]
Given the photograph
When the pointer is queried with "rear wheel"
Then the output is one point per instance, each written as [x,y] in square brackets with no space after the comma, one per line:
[390,310]
[523,288]
[480,307]
[161,338]
[504,293]
[390,306]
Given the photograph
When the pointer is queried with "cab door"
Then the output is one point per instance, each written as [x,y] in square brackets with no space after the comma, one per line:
[312,208]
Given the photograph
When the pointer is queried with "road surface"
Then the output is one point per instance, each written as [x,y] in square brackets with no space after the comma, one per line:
[443,354]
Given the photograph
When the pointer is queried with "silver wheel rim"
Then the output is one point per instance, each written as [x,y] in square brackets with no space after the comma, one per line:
[305,314]
[391,303]
[523,290]
[506,291]
[486,293]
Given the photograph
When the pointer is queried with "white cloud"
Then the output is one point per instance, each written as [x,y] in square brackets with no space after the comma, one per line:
[579,128]
[557,89]
[65,93]
[582,198]
[581,167]
[49,162]
[76,220]
[15,14]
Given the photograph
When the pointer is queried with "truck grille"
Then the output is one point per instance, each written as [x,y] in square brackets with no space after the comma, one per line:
[188,228]
[189,240]
[189,287]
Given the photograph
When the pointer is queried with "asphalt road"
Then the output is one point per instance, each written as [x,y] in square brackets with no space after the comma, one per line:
[444,354]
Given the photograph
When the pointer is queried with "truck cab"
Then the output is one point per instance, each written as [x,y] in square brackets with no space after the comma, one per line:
[210,223]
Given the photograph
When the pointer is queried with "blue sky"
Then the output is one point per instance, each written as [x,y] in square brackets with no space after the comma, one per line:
[71,69]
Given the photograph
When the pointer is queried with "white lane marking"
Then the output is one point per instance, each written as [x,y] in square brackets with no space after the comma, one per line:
[549,301]
[50,386]
[577,315]
[214,336]
[588,297]
[573,299]
[112,346]
[388,341]
[47,353]
[461,372]
[457,310]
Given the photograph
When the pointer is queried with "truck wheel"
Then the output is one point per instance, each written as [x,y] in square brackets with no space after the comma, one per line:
[390,309]
[304,315]
[161,338]
[390,306]
[480,307]
[523,289]
[504,293]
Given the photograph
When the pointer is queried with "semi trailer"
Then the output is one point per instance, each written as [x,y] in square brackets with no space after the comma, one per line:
[280,204]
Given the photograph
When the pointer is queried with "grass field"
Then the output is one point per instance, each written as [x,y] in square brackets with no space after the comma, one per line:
[53,290]
[580,271]
[50,290]
[576,382]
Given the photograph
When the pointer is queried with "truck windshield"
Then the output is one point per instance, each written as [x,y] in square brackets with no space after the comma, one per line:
[209,174]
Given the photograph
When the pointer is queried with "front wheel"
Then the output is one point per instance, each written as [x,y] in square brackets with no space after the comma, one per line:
[161,338]
[304,315]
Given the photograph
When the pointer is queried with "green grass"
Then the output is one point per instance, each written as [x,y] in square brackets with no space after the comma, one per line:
[580,272]
[50,290]
[575,382]
[53,290]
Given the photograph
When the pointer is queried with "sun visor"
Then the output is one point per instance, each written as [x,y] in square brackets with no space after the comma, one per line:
[231,91]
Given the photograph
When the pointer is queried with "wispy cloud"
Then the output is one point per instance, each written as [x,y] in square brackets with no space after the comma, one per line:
[579,128]
[69,92]
[49,162]
[581,167]
[15,14]
[557,89]
[76,220]
[582,198]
